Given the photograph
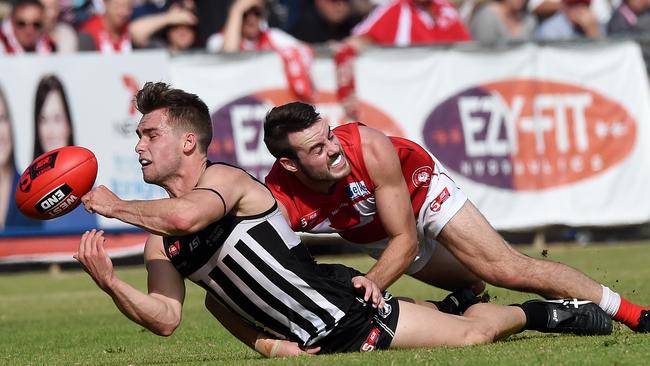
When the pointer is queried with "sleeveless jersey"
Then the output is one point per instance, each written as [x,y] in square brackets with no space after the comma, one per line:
[349,208]
[257,267]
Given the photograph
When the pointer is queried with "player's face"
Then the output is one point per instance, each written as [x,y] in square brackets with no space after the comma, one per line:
[320,156]
[159,149]
[5,135]
[53,125]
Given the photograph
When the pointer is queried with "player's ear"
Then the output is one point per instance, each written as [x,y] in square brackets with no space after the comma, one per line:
[189,143]
[289,164]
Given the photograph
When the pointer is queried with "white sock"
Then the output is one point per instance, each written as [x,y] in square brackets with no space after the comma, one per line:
[610,301]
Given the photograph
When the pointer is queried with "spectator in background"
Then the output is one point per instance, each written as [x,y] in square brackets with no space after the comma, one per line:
[409,22]
[322,21]
[575,20]
[246,30]
[108,33]
[543,9]
[632,17]
[53,129]
[23,30]
[10,217]
[174,29]
[502,21]
[62,34]
[399,23]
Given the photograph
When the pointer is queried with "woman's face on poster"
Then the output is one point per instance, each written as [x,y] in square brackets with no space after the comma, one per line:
[53,125]
[5,134]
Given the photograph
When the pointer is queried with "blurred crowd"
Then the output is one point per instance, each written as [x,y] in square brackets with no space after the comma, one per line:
[112,26]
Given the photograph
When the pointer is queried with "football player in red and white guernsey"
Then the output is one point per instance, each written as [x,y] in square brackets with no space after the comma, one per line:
[389,195]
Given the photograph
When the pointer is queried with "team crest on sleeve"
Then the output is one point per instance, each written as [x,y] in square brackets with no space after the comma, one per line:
[422,176]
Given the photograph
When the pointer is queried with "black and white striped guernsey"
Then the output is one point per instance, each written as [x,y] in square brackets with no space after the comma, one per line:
[258,268]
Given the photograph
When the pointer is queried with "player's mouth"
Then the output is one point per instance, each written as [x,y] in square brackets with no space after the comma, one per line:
[144,163]
[339,160]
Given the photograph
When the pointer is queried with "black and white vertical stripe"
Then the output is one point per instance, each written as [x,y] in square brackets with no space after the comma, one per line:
[255,274]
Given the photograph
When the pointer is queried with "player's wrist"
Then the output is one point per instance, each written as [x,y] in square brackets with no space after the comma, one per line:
[267,347]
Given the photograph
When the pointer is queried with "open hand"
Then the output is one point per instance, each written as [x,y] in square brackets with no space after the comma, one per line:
[370,290]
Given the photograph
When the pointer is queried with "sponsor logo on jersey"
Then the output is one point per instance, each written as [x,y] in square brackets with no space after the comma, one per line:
[436,205]
[422,176]
[357,190]
[37,168]
[174,249]
[369,344]
[530,135]
[240,140]
[308,219]
[57,201]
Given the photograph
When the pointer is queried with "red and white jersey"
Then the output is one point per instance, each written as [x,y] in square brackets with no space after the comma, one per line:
[97,29]
[402,23]
[349,208]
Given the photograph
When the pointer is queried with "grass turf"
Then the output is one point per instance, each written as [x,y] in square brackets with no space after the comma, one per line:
[64,319]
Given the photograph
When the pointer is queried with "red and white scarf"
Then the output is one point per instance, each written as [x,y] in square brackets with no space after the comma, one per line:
[10,45]
[296,57]
[97,29]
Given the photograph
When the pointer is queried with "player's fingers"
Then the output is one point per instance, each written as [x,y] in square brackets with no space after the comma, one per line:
[381,301]
[88,248]
[368,294]
[82,246]
[312,350]
[101,250]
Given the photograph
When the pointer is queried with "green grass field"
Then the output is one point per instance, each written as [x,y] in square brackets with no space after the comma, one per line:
[64,319]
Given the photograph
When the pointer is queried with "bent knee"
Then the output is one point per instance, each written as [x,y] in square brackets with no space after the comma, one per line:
[480,334]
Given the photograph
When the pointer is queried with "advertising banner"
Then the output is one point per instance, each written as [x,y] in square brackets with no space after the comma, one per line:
[536,135]
[83,99]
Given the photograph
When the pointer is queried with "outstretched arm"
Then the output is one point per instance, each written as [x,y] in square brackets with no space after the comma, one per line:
[220,190]
[160,309]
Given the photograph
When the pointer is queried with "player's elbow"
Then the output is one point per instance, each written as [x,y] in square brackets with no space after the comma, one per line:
[412,252]
[165,329]
[182,223]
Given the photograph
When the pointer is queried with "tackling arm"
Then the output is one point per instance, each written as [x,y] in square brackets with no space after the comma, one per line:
[393,206]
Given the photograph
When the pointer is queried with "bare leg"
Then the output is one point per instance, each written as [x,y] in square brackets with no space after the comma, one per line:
[446,272]
[471,239]
[420,326]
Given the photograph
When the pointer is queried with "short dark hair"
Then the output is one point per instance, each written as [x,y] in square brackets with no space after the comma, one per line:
[284,119]
[185,110]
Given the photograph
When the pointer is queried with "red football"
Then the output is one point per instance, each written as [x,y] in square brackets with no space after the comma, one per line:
[53,184]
